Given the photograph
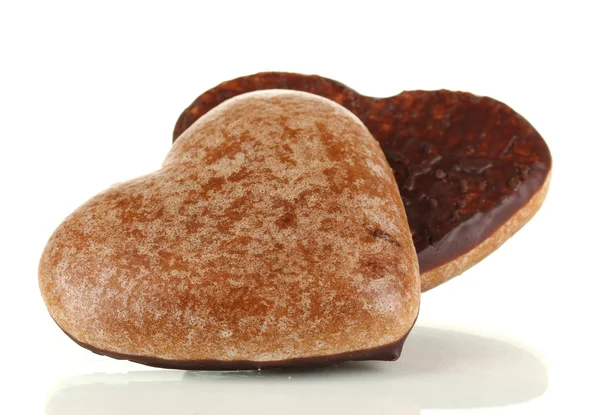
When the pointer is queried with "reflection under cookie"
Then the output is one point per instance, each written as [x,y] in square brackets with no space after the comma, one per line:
[439,369]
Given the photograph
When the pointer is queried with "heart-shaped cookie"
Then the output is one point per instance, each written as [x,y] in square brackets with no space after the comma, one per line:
[273,235]
[471,170]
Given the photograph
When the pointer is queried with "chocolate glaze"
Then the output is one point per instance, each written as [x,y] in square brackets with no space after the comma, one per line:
[464,163]
[389,352]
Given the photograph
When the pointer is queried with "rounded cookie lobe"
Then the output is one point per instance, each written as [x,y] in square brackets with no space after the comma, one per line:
[471,170]
[273,235]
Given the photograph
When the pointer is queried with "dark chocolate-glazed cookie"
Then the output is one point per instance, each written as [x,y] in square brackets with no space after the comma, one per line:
[471,170]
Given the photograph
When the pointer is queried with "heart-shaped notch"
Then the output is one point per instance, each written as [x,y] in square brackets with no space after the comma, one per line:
[273,235]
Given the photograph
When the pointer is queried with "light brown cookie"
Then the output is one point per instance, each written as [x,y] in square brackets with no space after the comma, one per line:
[273,235]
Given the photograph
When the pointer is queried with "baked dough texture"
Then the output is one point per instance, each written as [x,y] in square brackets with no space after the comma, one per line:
[274,232]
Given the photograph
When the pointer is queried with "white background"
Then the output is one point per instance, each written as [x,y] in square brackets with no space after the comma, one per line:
[89,95]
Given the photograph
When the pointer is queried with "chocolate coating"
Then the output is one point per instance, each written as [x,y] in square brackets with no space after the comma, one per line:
[389,352]
[464,164]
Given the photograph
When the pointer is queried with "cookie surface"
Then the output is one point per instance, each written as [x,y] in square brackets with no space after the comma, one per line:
[471,170]
[273,235]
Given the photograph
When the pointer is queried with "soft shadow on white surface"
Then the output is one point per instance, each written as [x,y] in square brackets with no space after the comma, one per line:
[438,369]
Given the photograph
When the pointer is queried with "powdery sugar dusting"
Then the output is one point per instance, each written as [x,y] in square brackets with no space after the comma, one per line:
[274,230]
